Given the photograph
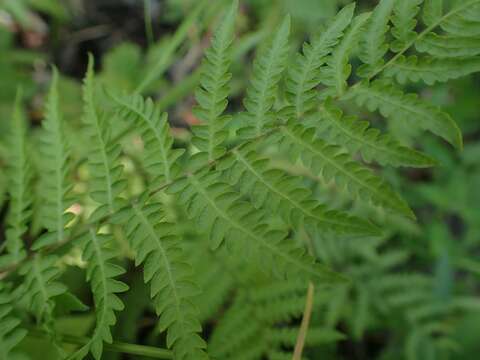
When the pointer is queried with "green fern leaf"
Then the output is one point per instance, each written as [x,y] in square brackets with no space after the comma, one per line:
[463,19]
[19,189]
[222,215]
[103,158]
[280,193]
[304,75]
[373,47]
[404,21]
[432,11]
[40,287]
[10,332]
[337,71]
[170,276]
[268,68]
[101,273]
[431,70]
[393,103]
[448,46]
[160,159]
[333,163]
[55,171]
[357,136]
[213,91]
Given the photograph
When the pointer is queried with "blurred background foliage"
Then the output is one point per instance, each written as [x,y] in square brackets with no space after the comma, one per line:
[155,47]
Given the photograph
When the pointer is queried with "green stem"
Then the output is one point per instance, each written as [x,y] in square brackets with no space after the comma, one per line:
[147,14]
[119,347]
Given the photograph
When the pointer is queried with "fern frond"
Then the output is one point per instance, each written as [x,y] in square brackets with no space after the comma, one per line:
[337,71]
[19,187]
[40,287]
[304,74]
[221,214]
[55,171]
[393,103]
[268,67]
[101,273]
[213,91]
[103,156]
[282,194]
[431,70]
[448,46]
[404,21]
[170,275]
[373,43]
[160,159]
[358,136]
[333,163]
[11,334]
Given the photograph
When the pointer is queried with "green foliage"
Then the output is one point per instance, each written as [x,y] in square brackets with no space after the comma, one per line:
[20,175]
[167,270]
[358,136]
[304,75]
[213,91]
[404,21]
[392,102]
[374,46]
[11,334]
[101,273]
[333,164]
[159,159]
[103,158]
[334,76]
[232,219]
[268,67]
[55,186]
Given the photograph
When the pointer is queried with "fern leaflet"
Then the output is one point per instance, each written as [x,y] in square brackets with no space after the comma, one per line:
[268,67]
[392,102]
[357,136]
[404,23]
[55,184]
[19,190]
[431,70]
[103,157]
[373,47]
[304,75]
[11,334]
[101,273]
[213,91]
[169,274]
[159,159]
[335,74]
[334,164]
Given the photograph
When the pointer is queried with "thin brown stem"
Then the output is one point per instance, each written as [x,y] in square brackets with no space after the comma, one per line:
[307,314]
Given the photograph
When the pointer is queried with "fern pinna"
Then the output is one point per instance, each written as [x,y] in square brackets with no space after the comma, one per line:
[231,223]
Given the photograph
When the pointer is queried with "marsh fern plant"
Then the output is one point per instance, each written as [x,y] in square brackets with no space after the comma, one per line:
[226,225]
